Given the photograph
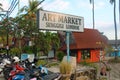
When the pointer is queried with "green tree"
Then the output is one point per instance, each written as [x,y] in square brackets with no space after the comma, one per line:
[47,41]
[55,42]
[92,2]
[6,27]
[27,22]
[115,26]
[31,8]
[42,41]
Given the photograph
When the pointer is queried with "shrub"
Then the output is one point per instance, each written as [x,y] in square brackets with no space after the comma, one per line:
[60,55]
[15,51]
[65,68]
[84,63]
[41,62]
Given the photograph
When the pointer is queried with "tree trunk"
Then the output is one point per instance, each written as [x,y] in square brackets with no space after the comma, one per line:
[93,15]
[115,29]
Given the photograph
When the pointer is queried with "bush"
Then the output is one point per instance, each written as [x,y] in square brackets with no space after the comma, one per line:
[60,55]
[15,51]
[41,62]
[28,49]
[65,68]
[84,63]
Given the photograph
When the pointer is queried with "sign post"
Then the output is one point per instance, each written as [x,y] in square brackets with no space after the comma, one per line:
[68,49]
[47,20]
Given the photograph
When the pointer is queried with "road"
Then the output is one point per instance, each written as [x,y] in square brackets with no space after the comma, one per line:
[1,77]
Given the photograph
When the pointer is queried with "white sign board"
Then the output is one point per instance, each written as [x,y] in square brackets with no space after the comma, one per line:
[57,21]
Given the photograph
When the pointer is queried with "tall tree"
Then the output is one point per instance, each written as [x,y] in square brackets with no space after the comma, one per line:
[27,24]
[119,12]
[115,26]
[5,29]
[92,2]
[42,41]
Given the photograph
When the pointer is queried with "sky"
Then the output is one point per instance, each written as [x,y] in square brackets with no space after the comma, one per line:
[104,17]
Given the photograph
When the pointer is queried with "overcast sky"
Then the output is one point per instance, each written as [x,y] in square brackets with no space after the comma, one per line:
[104,18]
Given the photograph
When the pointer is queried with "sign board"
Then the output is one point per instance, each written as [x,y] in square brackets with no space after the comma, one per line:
[57,21]
[30,57]
[24,56]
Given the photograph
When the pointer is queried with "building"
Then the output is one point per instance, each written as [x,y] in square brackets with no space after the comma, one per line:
[112,43]
[87,46]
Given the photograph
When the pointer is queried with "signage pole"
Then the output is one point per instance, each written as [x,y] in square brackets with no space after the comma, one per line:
[67,41]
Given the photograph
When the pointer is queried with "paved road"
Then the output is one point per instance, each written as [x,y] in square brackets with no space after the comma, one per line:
[1,77]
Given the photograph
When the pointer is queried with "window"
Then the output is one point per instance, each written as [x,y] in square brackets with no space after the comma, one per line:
[85,54]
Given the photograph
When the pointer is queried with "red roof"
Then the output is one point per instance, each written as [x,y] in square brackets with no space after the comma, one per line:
[90,38]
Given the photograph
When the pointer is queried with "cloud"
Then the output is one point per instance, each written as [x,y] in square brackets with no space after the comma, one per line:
[99,5]
[87,5]
[108,29]
[56,5]
[99,24]
[23,3]
[83,4]
[5,4]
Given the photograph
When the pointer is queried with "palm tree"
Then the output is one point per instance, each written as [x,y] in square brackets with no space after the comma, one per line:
[44,41]
[114,3]
[27,24]
[92,2]
[119,12]
[30,18]
[31,8]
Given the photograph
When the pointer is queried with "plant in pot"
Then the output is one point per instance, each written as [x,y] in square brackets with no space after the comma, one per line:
[65,70]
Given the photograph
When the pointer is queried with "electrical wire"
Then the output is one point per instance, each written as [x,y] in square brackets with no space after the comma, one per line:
[30,10]
[12,3]
[7,14]
[13,8]
[26,13]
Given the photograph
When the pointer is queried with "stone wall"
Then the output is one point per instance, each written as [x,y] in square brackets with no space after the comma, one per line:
[85,73]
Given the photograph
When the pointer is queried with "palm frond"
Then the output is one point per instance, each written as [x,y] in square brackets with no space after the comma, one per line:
[0,4]
[25,8]
[1,7]
[112,1]
[90,1]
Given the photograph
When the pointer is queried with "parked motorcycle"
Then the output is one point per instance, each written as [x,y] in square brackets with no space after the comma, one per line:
[26,71]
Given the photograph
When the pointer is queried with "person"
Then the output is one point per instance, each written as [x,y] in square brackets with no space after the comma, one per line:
[103,71]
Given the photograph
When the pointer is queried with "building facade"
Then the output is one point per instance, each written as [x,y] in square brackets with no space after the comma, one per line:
[87,46]
[112,43]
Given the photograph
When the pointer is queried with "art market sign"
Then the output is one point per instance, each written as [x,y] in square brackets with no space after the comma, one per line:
[57,21]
